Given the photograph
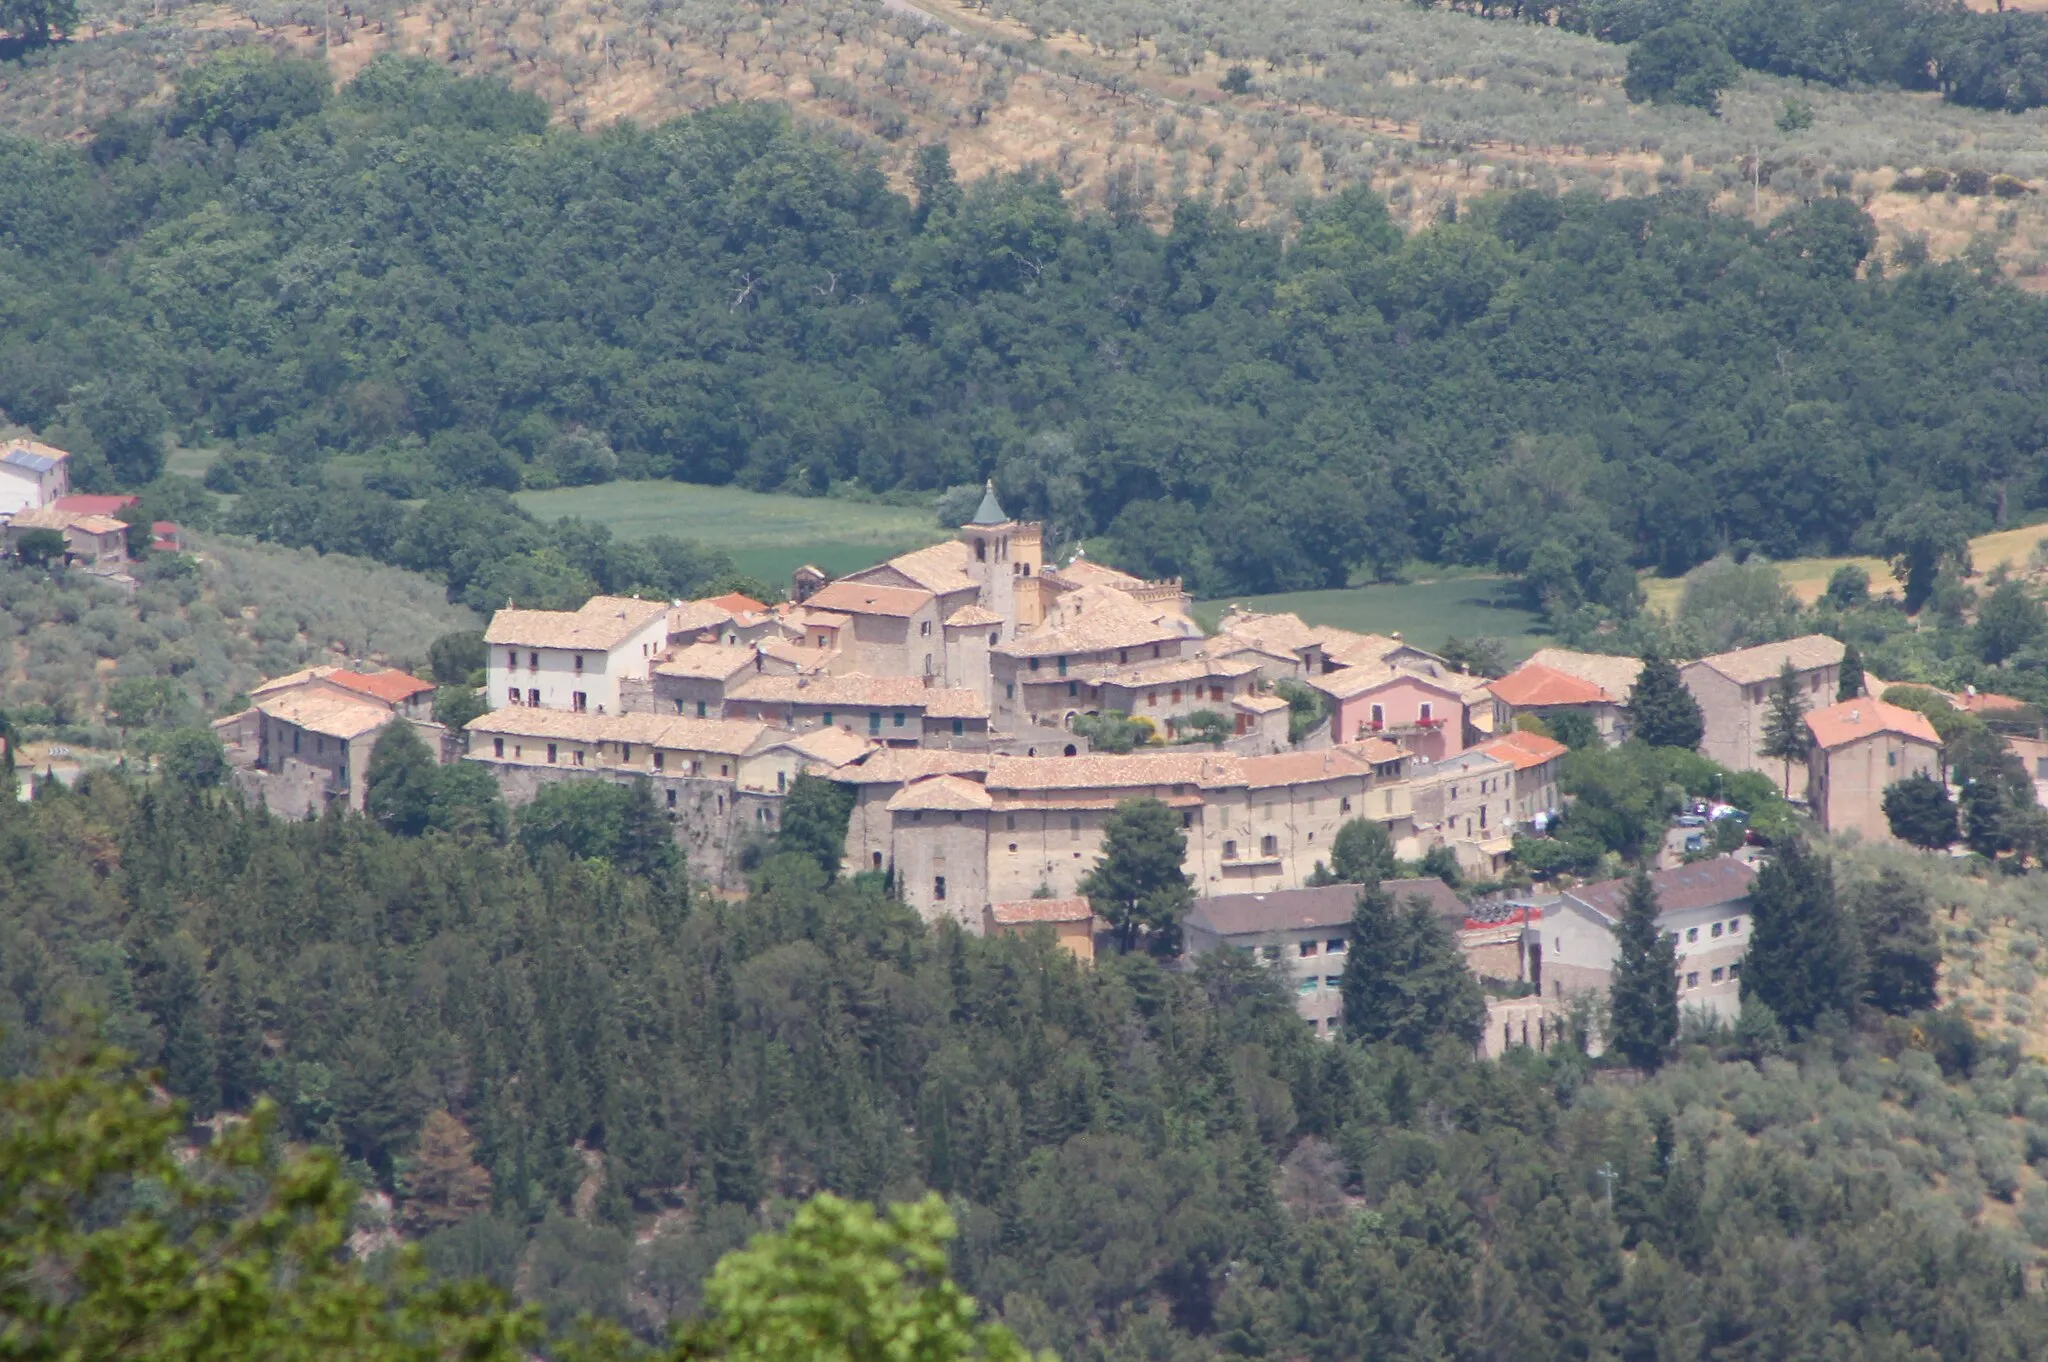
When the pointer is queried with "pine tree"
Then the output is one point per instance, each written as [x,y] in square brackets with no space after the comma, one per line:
[1849,681]
[240,1052]
[1920,811]
[1785,722]
[814,820]
[444,1185]
[1661,711]
[1362,853]
[1138,884]
[1803,960]
[1405,980]
[1643,1006]
[401,781]
[1901,954]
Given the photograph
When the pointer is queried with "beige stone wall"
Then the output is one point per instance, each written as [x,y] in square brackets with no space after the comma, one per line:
[1734,717]
[1846,786]
[1033,848]
[880,645]
[939,851]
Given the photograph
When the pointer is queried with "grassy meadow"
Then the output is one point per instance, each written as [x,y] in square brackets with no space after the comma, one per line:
[768,535]
[1423,612]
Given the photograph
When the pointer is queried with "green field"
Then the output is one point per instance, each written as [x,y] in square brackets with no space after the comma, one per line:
[1425,613]
[768,536]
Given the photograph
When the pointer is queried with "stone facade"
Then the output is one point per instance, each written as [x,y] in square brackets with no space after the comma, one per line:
[1734,692]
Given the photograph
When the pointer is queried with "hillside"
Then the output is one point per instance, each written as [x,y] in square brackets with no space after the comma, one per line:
[1123,101]
[215,625]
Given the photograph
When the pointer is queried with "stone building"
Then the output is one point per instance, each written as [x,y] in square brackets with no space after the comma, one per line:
[1542,692]
[574,659]
[1071,922]
[1861,748]
[1705,910]
[1734,692]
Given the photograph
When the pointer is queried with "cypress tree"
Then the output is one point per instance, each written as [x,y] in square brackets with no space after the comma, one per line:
[1404,979]
[1803,960]
[1849,683]
[1643,1001]
[1785,722]
[240,1051]
[1661,711]
[1138,884]
[402,787]
[1901,952]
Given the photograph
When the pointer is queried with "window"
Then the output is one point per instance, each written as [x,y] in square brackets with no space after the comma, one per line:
[579,756]
[1334,946]
[1187,818]
[875,722]
[579,664]
[1063,666]
[533,661]
[671,799]
[497,747]
[1009,690]
[826,718]
[1230,853]
[1379,715]
[1215,692]
[722,770]
[1734,925]
[579,701]
[1073,688]
[1074,827]
[660,761]
[1716,931]
[1735,970]
[1307,950]
[1692,980]
[878,860]
[1716,976]
[512,658]
[1269,845]
[1034,664]
[1344,804]
[898,718]
[939,888]
[1009,822]
[1692,934]
[1307,987]
[625,754]
[551,754]
[533,697]
[703,710]
[959,727]
[1891,758]
[512,694]
[924,629]
[1176,695]
[994,638]
[1333,982]
[1426,712]
[1270,952]
[781,782]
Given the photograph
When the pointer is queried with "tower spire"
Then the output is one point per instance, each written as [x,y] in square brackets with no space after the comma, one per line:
[991,511]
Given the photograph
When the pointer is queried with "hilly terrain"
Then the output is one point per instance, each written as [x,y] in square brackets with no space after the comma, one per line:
[1124,102]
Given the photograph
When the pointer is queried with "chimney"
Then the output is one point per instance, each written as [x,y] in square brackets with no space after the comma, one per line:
[1855,716]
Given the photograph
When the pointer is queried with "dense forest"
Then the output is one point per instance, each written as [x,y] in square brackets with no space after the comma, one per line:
[411,290]
[1985,60]
[541,1054]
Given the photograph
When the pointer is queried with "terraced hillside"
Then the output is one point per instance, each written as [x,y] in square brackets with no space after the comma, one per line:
[1124,99]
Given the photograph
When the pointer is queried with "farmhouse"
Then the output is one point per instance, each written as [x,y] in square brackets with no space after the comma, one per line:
[1734,691]
[574,659]
[1861,748]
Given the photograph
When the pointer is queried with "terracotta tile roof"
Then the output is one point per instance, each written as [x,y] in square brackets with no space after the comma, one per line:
[1082,572]
[1613,673]
[1025,912]
[955,702]
[854,688]
[1284,634]
[736,603]
[972,617]
[1357,650]
[332,716]
[53,517]
[803,617]
[1523,750]
[1135,771]
[834,746]
[940,569]
[1747,666]
[865,598]
[1324,906]
[1532,686]
[695,617]
[1112,621]
[1352,682]
[1166,671]
[897,765]
[706,661]
[391,686]
[1703,884]
[672,731]
[94,503]
[1302,768]
[949,793]
[1985,702]
[804,658]
[600,625]
[1377,750]
[1851,720]
[291,680]
[1258,704]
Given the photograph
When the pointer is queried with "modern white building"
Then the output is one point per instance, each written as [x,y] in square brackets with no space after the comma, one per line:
[32,476]
[1705,912]
[574,659]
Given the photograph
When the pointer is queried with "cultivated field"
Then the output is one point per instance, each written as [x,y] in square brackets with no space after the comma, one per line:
[767,535]
[1426,613]
[1121,100]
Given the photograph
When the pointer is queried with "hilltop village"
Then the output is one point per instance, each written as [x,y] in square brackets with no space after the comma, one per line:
[960,692]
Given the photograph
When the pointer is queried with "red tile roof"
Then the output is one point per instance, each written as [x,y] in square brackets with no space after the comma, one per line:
[1844,723]
[94,503]
[1532,686]
[392,687]
[863,598]
[1039,910]
[736,603]
[1523,750]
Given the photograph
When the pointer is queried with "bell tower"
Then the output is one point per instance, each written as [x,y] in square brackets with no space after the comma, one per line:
[1002,555]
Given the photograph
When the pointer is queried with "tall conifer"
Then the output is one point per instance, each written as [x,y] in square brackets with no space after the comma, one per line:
[1643,1000]
[1661,711]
